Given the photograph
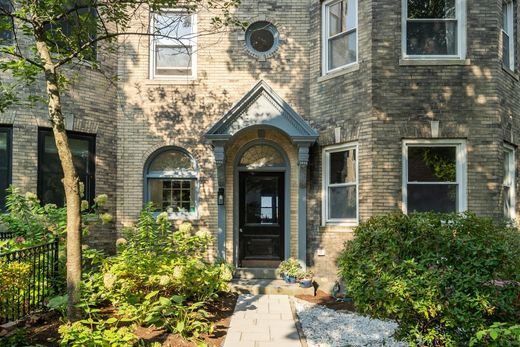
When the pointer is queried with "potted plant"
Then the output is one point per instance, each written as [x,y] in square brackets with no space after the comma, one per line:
[289,270]
[305,278]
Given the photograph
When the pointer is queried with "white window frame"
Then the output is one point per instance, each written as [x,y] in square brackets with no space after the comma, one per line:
[461,157]
[174,175]
[460,15]
[510,156]
[325,37]
[325,185]
[189,41]
[510,31]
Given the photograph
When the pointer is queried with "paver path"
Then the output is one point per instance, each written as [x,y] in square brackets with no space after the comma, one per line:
[262,321]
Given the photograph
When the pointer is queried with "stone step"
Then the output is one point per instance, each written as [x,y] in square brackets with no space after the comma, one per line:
[268,286]
[255,273]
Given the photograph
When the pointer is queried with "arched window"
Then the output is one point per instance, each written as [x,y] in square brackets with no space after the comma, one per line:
[171,182]
[260,156]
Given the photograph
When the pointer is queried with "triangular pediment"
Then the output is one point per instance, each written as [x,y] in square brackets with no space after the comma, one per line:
[262,106]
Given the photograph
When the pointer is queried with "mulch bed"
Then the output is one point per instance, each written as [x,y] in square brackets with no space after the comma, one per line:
[328,301]
[43,329]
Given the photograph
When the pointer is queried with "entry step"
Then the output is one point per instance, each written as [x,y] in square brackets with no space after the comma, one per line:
[268,286]
[255,273]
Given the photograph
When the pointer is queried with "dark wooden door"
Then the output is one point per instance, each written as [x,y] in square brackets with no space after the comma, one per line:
[261,218]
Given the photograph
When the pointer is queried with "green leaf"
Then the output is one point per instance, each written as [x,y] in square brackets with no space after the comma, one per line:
[151,295]
[164,301]
[493,334]
[111,320]
[179,327]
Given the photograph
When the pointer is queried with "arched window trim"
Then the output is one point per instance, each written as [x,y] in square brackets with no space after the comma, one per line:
[173,174]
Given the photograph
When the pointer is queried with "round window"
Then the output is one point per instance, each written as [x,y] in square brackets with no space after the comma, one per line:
[262,39]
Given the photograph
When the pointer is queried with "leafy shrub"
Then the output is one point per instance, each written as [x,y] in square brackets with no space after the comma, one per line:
[14,278]
[435,274]
[95,333]
[159,277]
[499,334]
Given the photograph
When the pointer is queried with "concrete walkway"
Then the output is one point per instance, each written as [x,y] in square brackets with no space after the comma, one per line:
[262,321]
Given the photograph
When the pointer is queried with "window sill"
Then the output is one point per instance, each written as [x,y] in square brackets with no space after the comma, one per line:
[433,62]
[510,72]
[338,228]
[186,81]
[340,72]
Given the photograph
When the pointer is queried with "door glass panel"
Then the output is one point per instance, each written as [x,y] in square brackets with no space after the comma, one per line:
[261,200]
[4,167]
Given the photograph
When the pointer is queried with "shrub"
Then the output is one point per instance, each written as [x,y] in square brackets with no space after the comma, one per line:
[435,274]
[93,333]
[14,279]
[160,277]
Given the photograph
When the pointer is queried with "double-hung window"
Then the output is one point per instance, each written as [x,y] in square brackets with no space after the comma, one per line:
[433,29]
[340,184]
[173,45]
[6,25]
[509,190]
[434,176]
[5,163]
[508,35]
[340,38]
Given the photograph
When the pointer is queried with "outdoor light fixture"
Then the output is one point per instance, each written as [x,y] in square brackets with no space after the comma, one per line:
[220,196]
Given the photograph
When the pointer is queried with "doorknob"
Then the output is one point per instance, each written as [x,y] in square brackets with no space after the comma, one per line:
[240,230]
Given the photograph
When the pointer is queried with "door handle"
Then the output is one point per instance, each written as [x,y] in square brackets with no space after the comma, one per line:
[240,230]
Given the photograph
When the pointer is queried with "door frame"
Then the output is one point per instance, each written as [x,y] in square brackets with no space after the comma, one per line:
[286,170]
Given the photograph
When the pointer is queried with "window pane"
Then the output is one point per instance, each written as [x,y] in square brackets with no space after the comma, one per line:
[342,202]
[506,53]
[171,161]
[507,201]
[4,167]
[172,195]
[432,38]
[342,50]
[431,9]
[50,173]
[6,34]
[432,197]
[432,164]
[172,57]
[261,156]
[343,167]
[172,26]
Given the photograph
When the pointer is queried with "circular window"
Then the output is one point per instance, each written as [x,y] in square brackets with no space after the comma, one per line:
[262,39]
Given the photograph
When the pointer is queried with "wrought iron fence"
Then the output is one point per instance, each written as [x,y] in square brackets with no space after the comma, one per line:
[43,269]
[6,235]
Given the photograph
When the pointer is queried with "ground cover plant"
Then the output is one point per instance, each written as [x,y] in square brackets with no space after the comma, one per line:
[445,278]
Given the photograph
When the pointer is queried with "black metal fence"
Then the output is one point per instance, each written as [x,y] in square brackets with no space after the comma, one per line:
[42,261]
[6,235]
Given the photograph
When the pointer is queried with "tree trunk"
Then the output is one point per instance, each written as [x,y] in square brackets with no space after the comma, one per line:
[70,182]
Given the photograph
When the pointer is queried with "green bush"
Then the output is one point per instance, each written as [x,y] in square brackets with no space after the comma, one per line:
[435,274]
[160,277]
[96,333]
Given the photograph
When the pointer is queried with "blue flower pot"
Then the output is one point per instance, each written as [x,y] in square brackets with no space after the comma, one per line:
[290,279]
[306,283]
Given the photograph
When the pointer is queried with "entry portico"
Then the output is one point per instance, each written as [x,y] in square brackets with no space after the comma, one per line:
[261,149]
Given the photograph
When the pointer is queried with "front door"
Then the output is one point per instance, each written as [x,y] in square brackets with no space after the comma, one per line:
[261,219]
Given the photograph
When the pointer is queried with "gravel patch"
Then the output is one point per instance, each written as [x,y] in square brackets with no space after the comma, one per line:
[324,327]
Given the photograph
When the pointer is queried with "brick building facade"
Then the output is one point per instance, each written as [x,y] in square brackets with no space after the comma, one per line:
[320,115]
